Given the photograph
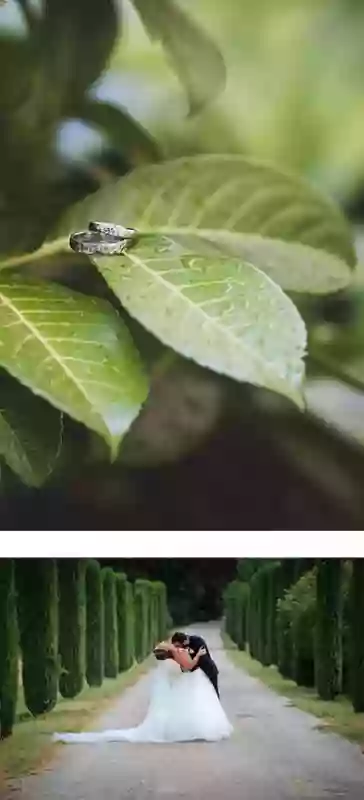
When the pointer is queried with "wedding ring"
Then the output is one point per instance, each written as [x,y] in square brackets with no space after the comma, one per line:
[110,229]
[92,243]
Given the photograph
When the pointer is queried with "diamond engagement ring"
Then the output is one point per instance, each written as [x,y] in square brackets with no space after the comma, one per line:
[110,229]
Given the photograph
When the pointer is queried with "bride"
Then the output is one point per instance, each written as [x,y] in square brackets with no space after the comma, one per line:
[183,706]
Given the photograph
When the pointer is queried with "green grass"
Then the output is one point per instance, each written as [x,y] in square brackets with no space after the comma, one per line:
[30,747]
[336,716]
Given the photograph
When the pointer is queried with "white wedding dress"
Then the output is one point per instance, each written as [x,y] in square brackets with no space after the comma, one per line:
[183,707]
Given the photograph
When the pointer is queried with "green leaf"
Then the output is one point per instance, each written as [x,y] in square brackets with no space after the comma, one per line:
[195,58]
[74,42]
[218,311]
[31,433]
[276,221]
[16,56]
[73,351]
[124,133]
[336,350]
[30,14]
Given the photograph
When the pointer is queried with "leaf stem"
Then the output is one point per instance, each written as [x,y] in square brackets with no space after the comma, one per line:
[47,249]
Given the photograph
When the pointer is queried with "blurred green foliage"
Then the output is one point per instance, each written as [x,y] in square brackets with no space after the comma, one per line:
[294,87]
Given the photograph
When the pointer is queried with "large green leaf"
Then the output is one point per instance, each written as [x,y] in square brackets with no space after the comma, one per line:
[276,221]
[124,133]
[196,59]
[337,346]
[17,57]
[31,433]
[217,310]
[74,42]
[30,14]
[73,351]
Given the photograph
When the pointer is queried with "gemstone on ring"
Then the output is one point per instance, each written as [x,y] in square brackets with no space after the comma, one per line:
[111,229]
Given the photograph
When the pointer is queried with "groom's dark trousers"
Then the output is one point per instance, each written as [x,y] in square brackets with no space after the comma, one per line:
[205,663]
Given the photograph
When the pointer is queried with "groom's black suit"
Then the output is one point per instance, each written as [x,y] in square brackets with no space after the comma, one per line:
[205,663]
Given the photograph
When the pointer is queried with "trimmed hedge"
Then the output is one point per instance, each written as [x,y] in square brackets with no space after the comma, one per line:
[346,629]
[161,610]
[273,581]
[264,602]
[356,634]
[298,610]
[150,594]
[291,569]
[262,612]
[70,617]
[270,638]
[8,648]
[228,605]
[142,621]
[125,615]
[242,601]
[303,629]
[72,602]
[328,638]
[153,614]
[94,625]
[111,655]
[236,601]
[230,609]
[307,617]
[284,636]
[253,614]
[296,620]
[36,584]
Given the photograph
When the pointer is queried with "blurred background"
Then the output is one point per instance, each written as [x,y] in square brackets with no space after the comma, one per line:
[96,90]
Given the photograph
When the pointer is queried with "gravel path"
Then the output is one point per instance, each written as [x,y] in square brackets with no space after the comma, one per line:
[275,753]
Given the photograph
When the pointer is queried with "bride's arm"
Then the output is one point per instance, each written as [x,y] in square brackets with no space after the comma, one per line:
[184,659]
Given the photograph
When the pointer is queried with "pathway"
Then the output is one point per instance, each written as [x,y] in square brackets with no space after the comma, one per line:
[276,753]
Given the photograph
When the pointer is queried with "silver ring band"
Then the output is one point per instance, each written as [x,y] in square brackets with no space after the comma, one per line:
[90,243]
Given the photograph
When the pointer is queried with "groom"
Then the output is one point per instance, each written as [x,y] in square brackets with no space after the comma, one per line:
[194,644]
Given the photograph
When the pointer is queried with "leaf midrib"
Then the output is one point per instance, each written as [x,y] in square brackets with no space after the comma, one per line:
[212,320]
[45,343]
